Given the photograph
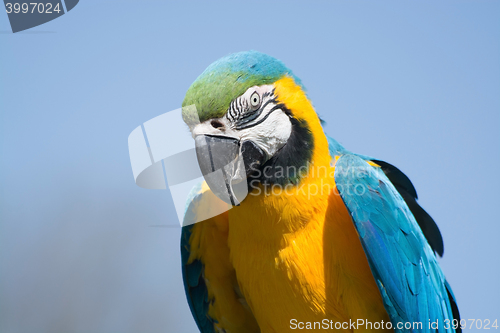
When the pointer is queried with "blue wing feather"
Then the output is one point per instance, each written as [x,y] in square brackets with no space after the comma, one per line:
[192,273]
[410,280]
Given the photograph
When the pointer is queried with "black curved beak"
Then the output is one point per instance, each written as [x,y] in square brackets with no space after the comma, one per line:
[227,164]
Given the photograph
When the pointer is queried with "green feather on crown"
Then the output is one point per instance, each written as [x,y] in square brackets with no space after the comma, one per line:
[227,78]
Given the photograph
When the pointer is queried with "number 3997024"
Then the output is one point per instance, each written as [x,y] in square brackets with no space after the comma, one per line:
[485,324]
[32,7]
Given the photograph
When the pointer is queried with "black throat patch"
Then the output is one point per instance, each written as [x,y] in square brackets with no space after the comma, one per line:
[291,162]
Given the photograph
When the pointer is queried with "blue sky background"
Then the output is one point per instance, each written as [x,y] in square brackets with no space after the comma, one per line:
[414,83]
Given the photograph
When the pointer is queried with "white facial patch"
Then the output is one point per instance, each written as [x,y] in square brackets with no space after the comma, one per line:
[271,134]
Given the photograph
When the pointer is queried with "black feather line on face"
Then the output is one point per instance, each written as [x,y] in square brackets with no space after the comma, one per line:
[276,107]
[291,162]
[249,116]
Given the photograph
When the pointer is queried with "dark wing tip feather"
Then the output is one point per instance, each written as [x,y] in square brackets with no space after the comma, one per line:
[397,177]
[454,306]
[404,186]
[426,223]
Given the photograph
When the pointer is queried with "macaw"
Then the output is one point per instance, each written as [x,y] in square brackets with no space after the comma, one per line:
[322,237]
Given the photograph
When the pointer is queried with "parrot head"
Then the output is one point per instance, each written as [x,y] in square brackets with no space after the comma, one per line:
[252,124]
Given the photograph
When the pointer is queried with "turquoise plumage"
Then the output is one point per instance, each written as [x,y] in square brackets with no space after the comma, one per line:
[409,278]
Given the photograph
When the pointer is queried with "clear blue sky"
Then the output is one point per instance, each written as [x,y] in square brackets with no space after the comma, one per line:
[415,83]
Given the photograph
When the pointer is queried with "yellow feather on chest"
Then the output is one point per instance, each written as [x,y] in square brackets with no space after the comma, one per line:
[301,260]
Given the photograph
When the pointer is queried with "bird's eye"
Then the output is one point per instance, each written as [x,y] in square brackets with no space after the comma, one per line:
[255,100]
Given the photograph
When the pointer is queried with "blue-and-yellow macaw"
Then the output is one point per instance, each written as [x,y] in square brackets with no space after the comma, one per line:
[323,235]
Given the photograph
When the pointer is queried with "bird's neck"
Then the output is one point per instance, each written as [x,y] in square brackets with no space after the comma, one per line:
[300,177]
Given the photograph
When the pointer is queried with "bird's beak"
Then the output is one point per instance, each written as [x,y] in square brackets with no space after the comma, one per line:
[226,164]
